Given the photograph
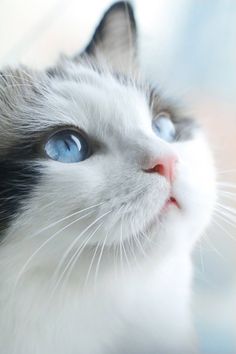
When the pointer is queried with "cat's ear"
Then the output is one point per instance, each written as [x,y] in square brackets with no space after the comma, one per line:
[115,38]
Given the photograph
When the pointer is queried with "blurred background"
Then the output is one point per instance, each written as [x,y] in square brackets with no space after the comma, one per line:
[188,47]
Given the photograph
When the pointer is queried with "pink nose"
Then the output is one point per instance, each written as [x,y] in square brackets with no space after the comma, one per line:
[165,167]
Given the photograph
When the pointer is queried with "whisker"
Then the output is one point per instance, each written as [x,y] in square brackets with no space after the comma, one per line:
[75,242]
[91,263]
[73,260]
[226,184]
[227,194]
[225,221]
[65,218]
[207,240]
[122,242]
[225,207]
[99,259]
[46,242]
[223,229]
[226,218]
[201,256]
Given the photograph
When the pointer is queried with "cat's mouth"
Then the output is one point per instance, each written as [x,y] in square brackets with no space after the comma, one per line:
[170,202]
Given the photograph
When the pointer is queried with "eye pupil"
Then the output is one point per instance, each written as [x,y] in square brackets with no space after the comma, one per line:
[67,146]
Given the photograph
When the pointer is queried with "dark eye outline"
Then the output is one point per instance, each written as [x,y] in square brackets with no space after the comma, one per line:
[167,116]
[57,130]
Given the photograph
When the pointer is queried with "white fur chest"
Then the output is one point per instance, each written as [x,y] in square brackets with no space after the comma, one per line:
[131,314]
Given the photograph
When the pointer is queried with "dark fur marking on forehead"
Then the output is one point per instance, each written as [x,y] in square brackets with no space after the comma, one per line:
[17,180]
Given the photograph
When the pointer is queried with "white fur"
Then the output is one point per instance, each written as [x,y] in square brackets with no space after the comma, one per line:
[139,301]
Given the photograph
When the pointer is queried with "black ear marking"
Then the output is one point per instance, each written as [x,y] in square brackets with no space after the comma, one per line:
[115,38]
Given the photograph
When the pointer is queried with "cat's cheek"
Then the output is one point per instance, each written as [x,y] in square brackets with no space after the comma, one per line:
[195,187]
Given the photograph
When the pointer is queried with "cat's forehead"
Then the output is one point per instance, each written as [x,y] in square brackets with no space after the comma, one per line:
[25,90]
[124,102]
[90,99]
[96,101]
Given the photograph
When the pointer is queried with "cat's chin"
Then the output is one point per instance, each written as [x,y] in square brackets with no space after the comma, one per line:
[161,219]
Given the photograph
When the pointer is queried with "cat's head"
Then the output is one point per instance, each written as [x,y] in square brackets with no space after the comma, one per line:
[90,153]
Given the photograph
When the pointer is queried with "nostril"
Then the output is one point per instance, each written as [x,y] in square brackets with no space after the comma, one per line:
[165,168]
[159,168]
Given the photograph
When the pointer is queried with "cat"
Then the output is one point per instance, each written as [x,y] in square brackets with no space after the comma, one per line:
[105,189]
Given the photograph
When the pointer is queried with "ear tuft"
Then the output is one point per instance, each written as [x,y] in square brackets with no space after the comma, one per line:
[115,38]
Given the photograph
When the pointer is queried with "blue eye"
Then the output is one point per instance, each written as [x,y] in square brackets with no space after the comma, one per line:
[163,127]
[67,146]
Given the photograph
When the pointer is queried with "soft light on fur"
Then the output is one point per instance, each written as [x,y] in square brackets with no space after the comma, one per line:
[89,261]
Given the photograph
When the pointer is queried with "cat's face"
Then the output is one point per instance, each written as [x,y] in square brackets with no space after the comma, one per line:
[78,147]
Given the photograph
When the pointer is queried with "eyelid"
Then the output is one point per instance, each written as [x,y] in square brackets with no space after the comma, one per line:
[57,129]
[163,114]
